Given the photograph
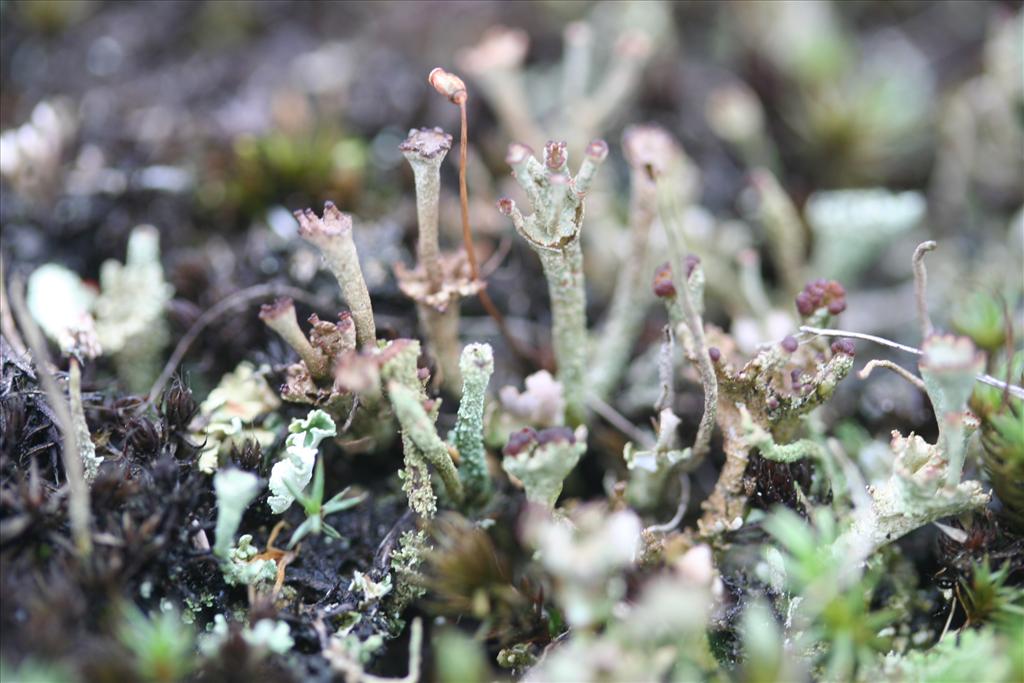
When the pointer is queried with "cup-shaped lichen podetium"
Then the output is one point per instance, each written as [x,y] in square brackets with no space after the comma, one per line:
[553,231]
[439,280]
[948,367]
[332,235]
[280,317]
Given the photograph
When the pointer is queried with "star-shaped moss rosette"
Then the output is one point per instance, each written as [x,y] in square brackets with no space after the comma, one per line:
[1002,439]
[440,279]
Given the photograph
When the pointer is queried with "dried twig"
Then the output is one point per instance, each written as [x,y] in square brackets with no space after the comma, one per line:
[78,503]
[7,326]
[239,298]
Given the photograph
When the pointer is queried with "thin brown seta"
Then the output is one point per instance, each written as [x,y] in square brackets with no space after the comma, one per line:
[454,88]
[921,287]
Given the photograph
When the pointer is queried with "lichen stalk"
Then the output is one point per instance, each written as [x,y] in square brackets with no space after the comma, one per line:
[416,474]
[442,331]
[495,64]
[434,288]
[579,39]
[553,231]
[593,113]
[727,502]
[564,272]
[332,235]
[477,365]
[783,227]
[418,425]
[425,150]
[694,324]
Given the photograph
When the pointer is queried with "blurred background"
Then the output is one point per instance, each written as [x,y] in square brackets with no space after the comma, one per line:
[213,121]
[820,140]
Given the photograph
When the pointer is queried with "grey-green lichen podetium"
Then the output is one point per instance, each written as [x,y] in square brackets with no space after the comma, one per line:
[332,235]
[553,231]
[542,460]
[421,444]
[440,279]
[477,365]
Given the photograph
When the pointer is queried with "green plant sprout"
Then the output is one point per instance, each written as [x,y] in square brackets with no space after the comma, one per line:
[316,510]
[295,468]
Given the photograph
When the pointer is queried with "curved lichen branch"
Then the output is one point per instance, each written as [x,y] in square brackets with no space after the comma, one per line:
[697,348]
[921,287]
[645,147]
[1013,389]
[889,365]
[418,425]
[332,235]
[760,438]
[553,231]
